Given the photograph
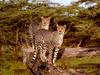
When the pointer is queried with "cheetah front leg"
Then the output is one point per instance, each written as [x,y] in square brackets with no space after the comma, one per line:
[43,54]
[50,56]
[55,54]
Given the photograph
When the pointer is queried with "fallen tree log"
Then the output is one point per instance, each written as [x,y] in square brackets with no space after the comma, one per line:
[47,69]
[40,68]
[77,52]
[43,68]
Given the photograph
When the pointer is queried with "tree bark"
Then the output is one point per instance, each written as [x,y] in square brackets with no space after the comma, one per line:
[40,68]
[43,68]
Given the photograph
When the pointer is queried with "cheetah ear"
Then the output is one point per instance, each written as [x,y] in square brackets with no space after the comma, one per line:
[42,17]
[49,17]
[57,25]
[65,26]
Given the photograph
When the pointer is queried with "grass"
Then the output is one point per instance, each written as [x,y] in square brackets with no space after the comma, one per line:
[13,68]
[87,63]
[8,65]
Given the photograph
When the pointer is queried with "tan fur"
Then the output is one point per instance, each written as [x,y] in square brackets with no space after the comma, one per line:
[58,40]
[49,40]
[33,28]
[45,21]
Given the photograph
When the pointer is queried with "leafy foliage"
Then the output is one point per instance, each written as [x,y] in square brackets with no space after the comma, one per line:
[83,27]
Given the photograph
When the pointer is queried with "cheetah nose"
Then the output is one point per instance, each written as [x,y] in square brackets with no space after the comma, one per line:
[60,31]
[45,23]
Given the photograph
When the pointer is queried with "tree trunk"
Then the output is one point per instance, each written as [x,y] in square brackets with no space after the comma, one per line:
[40,68]
[43,68]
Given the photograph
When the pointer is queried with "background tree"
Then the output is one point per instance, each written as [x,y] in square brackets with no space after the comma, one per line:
[83,25]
